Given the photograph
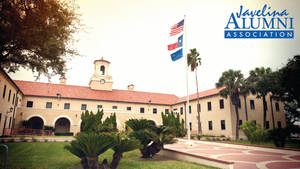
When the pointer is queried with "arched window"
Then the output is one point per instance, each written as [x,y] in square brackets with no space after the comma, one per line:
[102,70]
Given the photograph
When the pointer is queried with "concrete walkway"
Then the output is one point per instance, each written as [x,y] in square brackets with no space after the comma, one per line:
[243,156]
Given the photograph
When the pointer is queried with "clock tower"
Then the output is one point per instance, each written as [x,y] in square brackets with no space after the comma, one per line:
[101,80]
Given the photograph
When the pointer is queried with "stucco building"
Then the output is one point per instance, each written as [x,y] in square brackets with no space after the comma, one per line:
[61,105]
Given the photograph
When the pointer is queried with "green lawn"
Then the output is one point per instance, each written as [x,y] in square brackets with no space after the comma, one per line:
[52,155]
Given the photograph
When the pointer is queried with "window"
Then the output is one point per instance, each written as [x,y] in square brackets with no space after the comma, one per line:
[13,101]
[29,104]
[267,124]
[67,106]
[166,111]
[210,125]
[208,106]
[102,70]
[190,126]
[198,107]
[252,105]
[181,110]
[128,108]
[49,105]
[142,110]
[239,103]
[223,127]
[190,109]
[254,121]
[175,111]
[4,91]
[99,107]
[154,110]
[221,104]
[83,106]
[277,106]
[240,122]
[9,93]
[115,107]
[278,123]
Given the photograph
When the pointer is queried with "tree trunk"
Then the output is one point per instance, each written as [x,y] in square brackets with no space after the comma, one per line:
[93,162]
[104,164]
[273,121]
[237,122]
[145,152]
[198,108]
[116,160]
[84,163]
[246,110]
[265,111]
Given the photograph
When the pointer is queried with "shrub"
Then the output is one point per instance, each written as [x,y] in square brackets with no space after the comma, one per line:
[254,132]
[25,123]
[170,120]
[49,128]
[64,134]
[198,136]
[279,136]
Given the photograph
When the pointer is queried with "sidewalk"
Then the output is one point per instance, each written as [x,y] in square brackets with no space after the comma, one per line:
[243,156]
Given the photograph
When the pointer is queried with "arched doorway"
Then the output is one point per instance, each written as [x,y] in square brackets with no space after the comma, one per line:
[62,125]
[36,123]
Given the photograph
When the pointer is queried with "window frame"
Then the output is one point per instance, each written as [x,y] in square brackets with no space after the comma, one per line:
[223,125]
[67,106]
[48,103]
[209,107]
[221,103]
[28,104]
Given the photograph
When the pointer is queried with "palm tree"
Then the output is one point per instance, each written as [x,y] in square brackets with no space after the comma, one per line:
[261,86]
[91,145]
[75,149]
[194,61]
[122,143]
[245,91]
[151,137]
[231,80]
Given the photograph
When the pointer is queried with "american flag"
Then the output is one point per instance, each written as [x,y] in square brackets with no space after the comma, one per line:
[177,28]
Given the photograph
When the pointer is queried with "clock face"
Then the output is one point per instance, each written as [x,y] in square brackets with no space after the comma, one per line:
[102,81]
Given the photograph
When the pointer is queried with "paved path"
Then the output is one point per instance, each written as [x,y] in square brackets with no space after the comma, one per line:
[244,157]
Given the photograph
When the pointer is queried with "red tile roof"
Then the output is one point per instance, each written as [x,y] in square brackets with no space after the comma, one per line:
[85,93]
[205,93]
[82,92]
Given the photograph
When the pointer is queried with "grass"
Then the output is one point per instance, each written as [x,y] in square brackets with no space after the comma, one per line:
[52,155]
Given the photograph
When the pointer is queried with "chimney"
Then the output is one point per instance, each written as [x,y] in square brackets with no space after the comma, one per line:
[62,80]
[131,87]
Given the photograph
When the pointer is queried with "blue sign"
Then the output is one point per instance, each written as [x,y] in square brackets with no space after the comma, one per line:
[264,23]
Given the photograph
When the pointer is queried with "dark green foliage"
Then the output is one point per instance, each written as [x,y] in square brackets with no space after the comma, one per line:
[25,123]
[151,137]
[254,132]
[279,136]
[93,122]
[290,90]
[49,128]
[122,143]
[37,34]
[170,120]
[64,134]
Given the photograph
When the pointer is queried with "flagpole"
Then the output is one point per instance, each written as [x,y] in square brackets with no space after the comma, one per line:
[187,108]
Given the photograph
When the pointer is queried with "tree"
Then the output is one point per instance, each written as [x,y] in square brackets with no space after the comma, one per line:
[169,120]
[245,91]
[151,137]
[122,143]
[93,122]
[231,81]
[290,93]
[37,34]
[90,146]
[194,61]
[262,86]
